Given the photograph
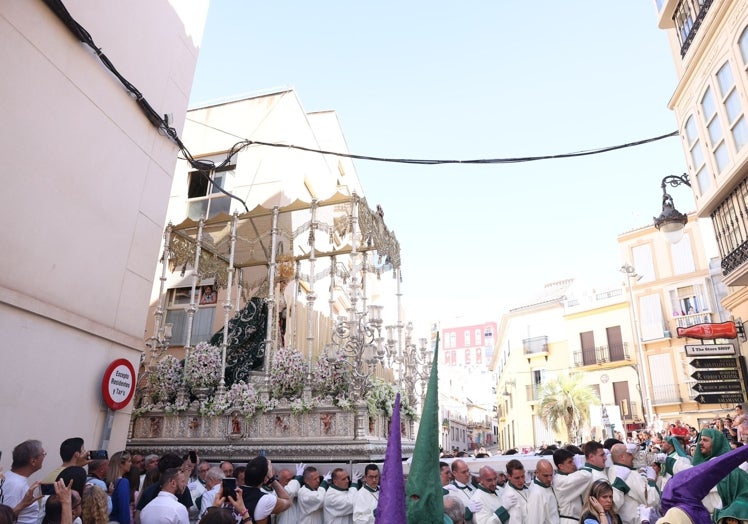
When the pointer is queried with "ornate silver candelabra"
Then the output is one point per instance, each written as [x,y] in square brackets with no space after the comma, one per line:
[358,337]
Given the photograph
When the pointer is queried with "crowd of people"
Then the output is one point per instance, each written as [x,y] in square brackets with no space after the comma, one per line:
[611,482]
[173,489]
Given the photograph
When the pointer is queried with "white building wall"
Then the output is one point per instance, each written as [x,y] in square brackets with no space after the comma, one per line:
[85,190]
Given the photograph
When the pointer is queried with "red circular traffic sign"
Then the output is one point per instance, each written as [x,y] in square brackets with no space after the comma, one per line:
[118,385]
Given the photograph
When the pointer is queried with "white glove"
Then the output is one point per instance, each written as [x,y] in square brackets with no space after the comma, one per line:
[356,475]
[644,513]
[474,505]
[650,473]
[328,477]
[632,448]
[607,453]
[660,457]
[300,467]
[579,461]
[622,472]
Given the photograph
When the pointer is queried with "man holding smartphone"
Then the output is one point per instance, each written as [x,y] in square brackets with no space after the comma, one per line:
[73,453]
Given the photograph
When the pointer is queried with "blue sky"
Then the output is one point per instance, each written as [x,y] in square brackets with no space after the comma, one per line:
[475,79]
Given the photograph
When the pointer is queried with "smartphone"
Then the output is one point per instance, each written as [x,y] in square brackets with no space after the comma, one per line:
[47,489]
[98,454]
[193,457]
[229,487]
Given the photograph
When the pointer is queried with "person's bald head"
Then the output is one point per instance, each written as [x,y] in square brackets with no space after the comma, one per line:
[620,455]
[487,478]
[461,471]
[285,476]
[544,472]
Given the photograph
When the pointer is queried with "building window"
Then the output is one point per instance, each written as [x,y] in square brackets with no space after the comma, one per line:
[689,300]
[478,356]
[205,197]
[714,128]
[488,332]
[453,340]
[467,356]
[733,106]
[177,300]
[643,263]
[743,43]
[446,341]
[731,228]
[650,316]
[467,337]
[698,164]
[682,255]
[477,337]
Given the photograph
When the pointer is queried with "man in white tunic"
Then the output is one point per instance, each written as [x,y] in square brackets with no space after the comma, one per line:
[462,488]
[630,489]
[541,499]
[310,498]
[570,485]
[488,495]
[292,485]
[594,455]
[513,507]
[340,498]
[367,498]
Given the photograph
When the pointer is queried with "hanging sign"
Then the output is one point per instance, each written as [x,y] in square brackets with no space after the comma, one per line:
[703,350]
[709,330]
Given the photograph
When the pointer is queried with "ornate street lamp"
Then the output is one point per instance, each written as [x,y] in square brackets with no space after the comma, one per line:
[671,221]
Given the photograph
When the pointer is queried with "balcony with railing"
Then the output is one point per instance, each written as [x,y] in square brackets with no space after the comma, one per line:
[535,345]
[533,392]
[666,394]
[692,320]
[687,18]
[602,355]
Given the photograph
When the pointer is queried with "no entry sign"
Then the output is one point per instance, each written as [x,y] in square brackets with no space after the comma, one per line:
[118,385]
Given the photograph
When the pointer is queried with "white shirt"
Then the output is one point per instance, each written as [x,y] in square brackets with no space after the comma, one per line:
[491,502]
[338,505]
[164,509]
[514,501]
[14,488]
[543,502]
[365,504]
[291,515]
[310,505]
[570,488]
[207,501]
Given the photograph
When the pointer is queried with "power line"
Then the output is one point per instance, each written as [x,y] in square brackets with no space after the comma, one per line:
[204,166]
[510,160]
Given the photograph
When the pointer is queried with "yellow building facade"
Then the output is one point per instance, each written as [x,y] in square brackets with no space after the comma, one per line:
[672,286]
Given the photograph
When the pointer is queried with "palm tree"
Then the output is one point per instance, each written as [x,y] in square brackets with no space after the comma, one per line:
[566,400]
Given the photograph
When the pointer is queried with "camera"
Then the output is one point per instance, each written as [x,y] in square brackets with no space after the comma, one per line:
[98,454]
[47,489]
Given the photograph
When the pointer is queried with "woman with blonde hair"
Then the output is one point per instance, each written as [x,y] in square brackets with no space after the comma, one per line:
[598,505]
[119,466]
[94,506]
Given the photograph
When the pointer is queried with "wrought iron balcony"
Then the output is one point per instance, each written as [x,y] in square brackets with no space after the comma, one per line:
[602,355]
[688,17]
[730,222]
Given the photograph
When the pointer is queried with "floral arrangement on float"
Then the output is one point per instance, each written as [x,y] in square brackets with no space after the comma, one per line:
[330,384]
[202,370]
